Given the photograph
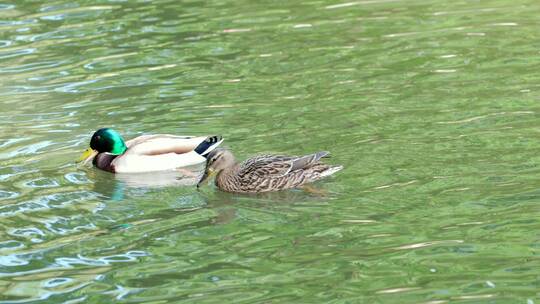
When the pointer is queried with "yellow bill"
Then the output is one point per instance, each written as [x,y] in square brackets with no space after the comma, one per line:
[87,156]
[207,174]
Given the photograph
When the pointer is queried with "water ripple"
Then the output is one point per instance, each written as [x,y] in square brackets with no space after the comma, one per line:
[42,183]
[56,200]
[4,195]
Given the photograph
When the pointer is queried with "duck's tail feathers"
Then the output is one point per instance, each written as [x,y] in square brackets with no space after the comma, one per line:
[331,171]
[209,144]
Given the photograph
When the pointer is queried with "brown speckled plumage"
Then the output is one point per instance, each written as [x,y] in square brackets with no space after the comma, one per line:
[265,173]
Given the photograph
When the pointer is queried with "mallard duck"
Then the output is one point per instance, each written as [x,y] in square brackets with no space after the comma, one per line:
[147,153]
[265,173]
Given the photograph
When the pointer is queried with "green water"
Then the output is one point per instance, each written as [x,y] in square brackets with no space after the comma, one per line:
[431,106]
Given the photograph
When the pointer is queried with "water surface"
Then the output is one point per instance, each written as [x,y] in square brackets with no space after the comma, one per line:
[431,106]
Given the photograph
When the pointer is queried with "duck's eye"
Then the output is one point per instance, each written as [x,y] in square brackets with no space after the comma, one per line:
[215,158]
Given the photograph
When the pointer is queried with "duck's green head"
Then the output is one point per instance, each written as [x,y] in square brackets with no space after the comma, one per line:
[105,140]
[108,140]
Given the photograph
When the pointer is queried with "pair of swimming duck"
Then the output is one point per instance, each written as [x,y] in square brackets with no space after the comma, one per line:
[164,152]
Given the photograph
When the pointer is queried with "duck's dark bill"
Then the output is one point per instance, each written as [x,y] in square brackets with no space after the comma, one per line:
[207,174]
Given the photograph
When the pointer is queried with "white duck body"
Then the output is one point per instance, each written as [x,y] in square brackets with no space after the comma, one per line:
[160,152]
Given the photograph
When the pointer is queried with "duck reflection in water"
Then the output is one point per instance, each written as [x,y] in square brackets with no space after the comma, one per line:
[114,187]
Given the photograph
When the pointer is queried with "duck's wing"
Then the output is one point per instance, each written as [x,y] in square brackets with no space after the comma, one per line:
[164,143]
[265,165]
[278,165]
[142,138]
[308,161]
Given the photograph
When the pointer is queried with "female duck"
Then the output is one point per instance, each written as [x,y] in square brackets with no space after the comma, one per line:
[265,172]
[147,153]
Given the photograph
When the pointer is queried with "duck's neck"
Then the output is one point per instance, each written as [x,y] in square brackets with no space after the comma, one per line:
[226,174]
[104,161]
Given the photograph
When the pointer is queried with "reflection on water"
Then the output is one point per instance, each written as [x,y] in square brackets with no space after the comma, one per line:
[113,186]
[430,105]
